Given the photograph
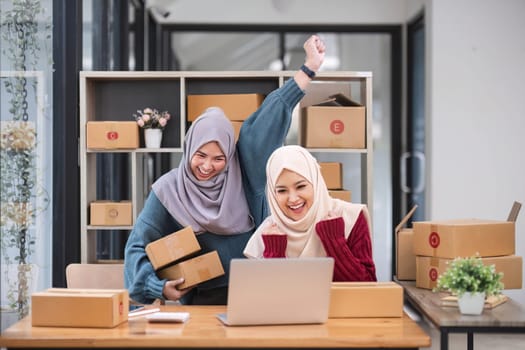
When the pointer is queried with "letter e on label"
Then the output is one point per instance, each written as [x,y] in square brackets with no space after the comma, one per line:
[337,126]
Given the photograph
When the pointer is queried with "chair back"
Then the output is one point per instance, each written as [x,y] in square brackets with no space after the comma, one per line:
[95,276]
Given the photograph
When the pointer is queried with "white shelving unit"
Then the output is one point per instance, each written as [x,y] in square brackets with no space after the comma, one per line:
[117,95]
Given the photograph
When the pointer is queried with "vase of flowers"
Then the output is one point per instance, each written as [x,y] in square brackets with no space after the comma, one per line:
[472,281]
[153,123]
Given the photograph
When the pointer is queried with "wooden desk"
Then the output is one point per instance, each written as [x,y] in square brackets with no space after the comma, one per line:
[203,330]
[508,317]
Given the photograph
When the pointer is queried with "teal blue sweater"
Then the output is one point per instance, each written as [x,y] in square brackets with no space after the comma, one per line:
[260,135]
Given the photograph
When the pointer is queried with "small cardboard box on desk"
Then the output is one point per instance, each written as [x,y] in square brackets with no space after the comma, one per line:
[174,257]
[365,299]
[69,307]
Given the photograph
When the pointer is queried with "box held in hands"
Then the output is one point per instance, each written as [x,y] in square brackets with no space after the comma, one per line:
[195,270]
[172,247]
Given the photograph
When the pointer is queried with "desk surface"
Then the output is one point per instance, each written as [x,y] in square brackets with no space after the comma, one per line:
[508,314]
[204,330]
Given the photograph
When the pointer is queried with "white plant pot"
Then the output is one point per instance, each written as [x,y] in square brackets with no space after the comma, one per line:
[153,138]
[471,303]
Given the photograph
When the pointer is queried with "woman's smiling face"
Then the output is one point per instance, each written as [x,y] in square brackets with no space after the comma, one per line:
[294,194]
[208,161]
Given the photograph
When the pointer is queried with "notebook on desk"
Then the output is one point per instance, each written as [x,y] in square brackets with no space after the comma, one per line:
[278,291]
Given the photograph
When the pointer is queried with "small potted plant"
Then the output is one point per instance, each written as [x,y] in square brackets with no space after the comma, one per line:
[471,281]
[153,122]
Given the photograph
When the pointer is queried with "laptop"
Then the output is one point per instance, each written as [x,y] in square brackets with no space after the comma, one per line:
[278,291]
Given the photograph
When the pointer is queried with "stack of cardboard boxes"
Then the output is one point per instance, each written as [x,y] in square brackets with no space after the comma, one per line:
[174,256]
[332,173]
[104,135]
[435,243]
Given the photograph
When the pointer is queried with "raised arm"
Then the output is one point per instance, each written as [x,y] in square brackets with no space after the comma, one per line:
[266,129]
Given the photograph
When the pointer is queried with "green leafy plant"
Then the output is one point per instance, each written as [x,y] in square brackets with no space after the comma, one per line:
[470,275]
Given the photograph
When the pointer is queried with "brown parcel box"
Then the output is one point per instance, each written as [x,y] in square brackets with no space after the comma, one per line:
[464,237]
[110,213]
[236,129]
[332,173]
[196,270]
[237,107]
[69,307]
[366,299]
[335,123]
[429,269]
[172,247]
[341,194]
[112,134]
[405,258]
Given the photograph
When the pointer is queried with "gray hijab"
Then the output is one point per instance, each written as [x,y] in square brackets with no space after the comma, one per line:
[217,205]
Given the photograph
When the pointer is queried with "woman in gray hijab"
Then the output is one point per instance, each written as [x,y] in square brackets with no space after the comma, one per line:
[217,189]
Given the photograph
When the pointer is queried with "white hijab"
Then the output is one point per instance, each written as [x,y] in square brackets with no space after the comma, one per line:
[217,205]
[301,235]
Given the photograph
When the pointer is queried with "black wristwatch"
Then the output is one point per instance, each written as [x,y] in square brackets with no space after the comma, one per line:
[308,71]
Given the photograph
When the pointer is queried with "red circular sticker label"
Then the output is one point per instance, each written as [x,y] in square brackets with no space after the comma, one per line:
[112,135]
[337,126]
[433,274]
[433,240]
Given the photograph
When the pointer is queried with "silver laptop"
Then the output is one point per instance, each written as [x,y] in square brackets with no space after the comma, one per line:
[278,291]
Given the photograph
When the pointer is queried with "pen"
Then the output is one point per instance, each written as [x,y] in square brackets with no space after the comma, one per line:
[142,311]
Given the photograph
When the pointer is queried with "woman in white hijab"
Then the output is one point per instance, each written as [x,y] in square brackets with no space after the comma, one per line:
[306,222]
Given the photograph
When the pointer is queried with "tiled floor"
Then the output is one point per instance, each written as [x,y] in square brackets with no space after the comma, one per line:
[482,341]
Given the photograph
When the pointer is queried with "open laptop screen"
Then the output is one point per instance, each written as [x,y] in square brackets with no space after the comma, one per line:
[279,291]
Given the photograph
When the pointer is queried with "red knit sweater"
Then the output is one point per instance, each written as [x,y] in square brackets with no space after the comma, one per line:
[352,257]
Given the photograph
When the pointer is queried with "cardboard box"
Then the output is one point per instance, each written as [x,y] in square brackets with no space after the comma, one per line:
[236,129]
[172,247]
[111,213]
[69,307]
[405,257]
[464,237]
[366,299]
[111,135]
[341,194]
[196,270]
[430,268]
[336,123]
[332,173]
[237,107]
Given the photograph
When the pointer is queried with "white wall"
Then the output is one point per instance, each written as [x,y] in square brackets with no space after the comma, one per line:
[475,111]
[284,11]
